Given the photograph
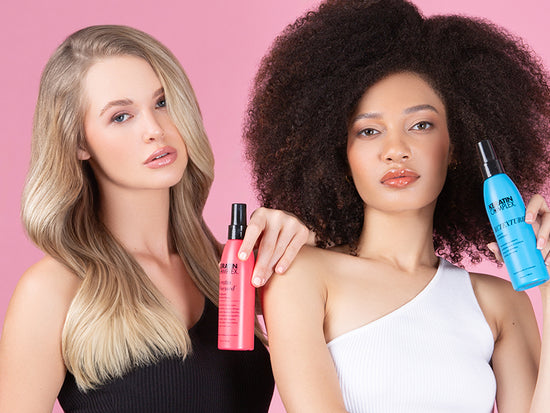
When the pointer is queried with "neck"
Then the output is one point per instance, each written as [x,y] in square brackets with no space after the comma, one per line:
[139,220]
[403,239]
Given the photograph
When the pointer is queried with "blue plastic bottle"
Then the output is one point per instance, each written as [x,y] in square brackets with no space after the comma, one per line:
[506,210]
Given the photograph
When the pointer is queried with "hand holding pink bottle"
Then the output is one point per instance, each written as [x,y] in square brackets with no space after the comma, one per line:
[236,292]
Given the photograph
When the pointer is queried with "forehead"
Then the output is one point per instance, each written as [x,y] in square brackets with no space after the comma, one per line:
[119,77]
[400,90]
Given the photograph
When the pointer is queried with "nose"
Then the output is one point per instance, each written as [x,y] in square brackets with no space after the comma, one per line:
[152,129]
[395,148]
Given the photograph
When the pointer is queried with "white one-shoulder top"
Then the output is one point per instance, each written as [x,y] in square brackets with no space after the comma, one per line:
[430,355]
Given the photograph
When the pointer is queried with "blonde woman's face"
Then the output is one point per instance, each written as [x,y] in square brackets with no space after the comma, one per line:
[131,141]
[398,144]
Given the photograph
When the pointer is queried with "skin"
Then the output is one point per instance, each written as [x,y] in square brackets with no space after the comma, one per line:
[399,124]
[126,121]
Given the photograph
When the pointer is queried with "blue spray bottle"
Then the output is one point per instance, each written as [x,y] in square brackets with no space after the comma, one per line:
[506,210]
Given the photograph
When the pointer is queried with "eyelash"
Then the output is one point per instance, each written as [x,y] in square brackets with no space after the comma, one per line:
[419,126]
[426,125]
[119,115]
[161,103]
[368,132]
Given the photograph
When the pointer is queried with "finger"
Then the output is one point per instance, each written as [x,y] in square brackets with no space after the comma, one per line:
[543,231]
[265,252]
[536,206]
[286,235]
[289,254]
[293,235]
[493,247]
[311,237]
[256,226]
[538,215]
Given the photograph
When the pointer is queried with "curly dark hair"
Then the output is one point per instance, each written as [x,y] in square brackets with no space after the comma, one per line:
[309,83]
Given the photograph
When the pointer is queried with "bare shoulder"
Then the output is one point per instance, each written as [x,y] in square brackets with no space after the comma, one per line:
[31,363]
[311,264]
[496,290]
[49,278]
[306,276]
[500,303]
[44,292]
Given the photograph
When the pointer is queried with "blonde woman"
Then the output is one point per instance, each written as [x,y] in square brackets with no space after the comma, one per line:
[120,315]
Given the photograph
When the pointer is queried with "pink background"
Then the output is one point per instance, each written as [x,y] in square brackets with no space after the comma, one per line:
[219,44]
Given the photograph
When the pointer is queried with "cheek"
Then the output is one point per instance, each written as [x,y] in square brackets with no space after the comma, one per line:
[361,168]
[440,155]
[362,158]
[110,152]
[355,157]
[439,150]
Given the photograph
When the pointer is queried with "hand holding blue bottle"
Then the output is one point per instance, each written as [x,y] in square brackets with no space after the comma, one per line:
[538,215]
[523,251]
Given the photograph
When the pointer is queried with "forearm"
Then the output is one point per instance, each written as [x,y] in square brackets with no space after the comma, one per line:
[541,396]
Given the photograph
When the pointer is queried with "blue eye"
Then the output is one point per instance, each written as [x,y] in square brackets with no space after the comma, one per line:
[120,117]
[161,103]
[424,125]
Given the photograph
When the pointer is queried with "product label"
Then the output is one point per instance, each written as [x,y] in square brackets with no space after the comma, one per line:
[509,241]
[229,268]
[230,293]
[508,223]
[502,204]
[226,284]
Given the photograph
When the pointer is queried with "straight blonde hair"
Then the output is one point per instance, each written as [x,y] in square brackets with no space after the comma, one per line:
[118,319]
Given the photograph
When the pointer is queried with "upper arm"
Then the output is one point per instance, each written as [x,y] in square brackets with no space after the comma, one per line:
[517,345]
[31,364]
[294,308]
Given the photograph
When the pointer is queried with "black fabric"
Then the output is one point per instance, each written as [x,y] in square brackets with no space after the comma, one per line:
[209,380]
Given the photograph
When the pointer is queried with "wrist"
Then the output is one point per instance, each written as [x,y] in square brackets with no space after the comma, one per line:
[545,294]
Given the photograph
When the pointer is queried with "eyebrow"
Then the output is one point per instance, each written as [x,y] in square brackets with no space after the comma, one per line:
[412,109]
[418,108]
[128,102]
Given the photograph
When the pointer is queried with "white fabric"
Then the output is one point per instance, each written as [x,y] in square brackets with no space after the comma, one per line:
[430,355]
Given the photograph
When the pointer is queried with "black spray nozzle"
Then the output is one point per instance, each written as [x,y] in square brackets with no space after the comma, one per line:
[490,164]
[238,221]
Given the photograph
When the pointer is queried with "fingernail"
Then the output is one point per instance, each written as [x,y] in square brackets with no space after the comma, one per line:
[242,256]
[540,243]
[280,269]
[257,282]
[529,217]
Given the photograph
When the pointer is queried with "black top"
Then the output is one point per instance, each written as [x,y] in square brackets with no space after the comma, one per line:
[208,380]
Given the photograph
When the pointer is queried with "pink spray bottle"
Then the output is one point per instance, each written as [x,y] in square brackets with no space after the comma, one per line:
[236,292]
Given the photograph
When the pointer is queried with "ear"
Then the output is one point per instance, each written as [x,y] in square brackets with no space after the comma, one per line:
[452,159]
[83,154]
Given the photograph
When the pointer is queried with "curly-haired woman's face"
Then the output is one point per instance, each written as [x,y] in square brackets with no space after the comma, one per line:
[131,141]
[398,144]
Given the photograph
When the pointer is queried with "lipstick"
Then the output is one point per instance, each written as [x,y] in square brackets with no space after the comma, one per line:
[161,157]
[399,178]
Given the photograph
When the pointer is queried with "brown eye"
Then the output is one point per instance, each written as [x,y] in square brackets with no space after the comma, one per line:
[422,125]
[368,132]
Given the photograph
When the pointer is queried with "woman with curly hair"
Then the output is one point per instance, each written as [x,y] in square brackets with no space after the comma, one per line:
[364,122]
[121,314]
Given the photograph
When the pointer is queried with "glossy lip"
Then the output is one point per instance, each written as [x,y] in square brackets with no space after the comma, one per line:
[167,156]
[399,178]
